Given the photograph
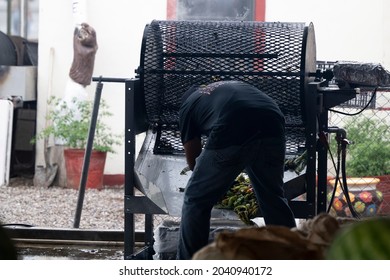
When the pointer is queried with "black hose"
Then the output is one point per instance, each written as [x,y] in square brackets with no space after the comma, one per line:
[359,112]
[341,165]
[344,176]
[337,168]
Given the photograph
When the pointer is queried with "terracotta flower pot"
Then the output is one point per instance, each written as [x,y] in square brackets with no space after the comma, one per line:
[74,159]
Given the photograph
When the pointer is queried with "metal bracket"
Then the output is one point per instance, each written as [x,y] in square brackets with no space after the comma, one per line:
[141,205]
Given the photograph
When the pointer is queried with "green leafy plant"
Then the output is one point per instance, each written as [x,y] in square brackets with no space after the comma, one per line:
[70,124]
[369,152]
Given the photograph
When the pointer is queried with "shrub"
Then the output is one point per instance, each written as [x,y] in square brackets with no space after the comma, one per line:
[369,152]
[70,124]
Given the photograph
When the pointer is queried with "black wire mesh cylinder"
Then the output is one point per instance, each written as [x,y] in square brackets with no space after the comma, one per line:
[275,57]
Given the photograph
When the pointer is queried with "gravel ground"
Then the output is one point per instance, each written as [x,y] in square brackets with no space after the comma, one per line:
[55,207]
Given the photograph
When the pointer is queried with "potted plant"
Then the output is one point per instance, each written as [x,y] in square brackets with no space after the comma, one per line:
[368,162]
[69,126]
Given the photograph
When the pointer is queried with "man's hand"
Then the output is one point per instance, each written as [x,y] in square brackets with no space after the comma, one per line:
[185,170]
[192,148]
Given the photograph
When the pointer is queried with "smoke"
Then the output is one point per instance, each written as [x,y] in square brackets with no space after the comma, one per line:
[240,10]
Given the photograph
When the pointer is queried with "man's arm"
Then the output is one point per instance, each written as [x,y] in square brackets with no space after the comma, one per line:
[192,149]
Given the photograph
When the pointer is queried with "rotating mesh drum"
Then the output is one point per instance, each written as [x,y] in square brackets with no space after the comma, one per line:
[274,57]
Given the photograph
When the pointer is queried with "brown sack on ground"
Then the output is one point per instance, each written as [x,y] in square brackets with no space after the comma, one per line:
[85,48]
[320,230]
[269,242]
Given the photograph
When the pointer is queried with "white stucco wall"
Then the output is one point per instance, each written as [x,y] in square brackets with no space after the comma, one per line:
[345,30]
[119,25]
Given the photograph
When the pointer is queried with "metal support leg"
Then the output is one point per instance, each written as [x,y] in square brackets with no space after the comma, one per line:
[149,239]
[322,165]
[87,156]
[129,226]
[311,144]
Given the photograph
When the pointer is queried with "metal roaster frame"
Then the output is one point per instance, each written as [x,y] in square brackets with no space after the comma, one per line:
[317,99]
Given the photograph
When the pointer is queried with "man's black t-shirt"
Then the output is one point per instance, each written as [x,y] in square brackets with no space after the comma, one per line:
[229,113]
